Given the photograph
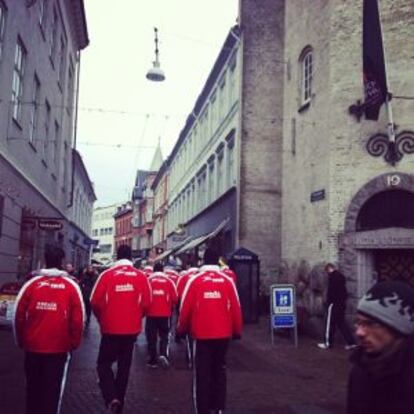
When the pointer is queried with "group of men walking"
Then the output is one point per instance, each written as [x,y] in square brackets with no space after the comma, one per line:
[50,314]
[50,317]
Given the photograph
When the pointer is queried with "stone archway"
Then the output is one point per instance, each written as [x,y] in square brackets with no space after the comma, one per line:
[357,248]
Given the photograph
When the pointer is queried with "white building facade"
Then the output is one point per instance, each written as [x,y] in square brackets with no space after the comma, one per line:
[103,230]
[202,176]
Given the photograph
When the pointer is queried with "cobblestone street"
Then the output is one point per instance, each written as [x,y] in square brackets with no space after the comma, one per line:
[261,378]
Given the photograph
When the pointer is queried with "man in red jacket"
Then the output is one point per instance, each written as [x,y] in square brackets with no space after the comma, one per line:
[120,298]
[210,312]
[48,325]
[164,298]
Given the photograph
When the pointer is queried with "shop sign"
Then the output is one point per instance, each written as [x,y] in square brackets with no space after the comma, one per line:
[50,224]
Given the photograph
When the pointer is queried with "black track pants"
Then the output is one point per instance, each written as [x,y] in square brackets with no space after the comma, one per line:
[209,381]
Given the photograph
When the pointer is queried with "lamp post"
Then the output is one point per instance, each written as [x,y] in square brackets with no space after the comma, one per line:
[155,73]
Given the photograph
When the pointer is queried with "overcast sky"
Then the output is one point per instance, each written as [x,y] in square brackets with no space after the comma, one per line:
[122,115]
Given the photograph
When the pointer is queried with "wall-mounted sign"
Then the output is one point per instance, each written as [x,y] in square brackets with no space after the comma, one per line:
[50,224]
[317,195]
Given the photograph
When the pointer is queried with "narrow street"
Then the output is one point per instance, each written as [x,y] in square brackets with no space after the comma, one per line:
[261,378]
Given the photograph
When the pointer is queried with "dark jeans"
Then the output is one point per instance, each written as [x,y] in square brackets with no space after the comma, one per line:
[210,374]
[45,381]
[335,318]
[115,349]
[157,327]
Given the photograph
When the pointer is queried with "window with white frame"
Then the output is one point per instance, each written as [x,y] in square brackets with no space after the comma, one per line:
[306,65]
[222,102]
[210,184]
[195,141]
[230,164]
[213,112]
[3,11]
[220,172]
[232,79]
[18,79]
[34,115]
[47,131]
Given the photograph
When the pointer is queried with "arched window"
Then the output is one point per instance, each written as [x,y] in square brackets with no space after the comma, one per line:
[306,67]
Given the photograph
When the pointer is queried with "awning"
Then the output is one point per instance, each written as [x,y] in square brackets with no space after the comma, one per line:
[167,253]
[163,255]
[202,239]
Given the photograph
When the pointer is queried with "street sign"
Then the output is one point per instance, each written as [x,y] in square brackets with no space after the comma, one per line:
[90,242]
[283,309]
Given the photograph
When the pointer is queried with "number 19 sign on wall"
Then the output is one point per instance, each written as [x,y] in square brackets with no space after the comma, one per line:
[283,309]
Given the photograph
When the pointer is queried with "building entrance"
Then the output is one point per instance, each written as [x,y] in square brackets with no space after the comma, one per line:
[395,264]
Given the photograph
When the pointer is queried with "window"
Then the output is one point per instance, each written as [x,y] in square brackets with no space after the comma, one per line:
[230,164]
[306,64]
[210,188]
[65,165]
[61,79]
[34,109]
[71,86]
[213,115]
[18,77]
[220,172]
[55,143]
[105,248]
[222,104]
[2,25]
[47,131]
[53,37]
[232,80]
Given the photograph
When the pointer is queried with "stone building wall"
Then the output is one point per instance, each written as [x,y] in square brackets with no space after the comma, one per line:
[262,25]
[330,149]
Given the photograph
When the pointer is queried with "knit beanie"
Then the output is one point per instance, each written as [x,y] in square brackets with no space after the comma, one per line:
[391,303]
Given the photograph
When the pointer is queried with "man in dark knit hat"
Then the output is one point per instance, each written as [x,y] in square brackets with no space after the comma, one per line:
[382,378]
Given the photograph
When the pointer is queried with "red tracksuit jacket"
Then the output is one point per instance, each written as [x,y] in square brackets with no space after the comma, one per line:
[164,295]
[173,275]
[183,280]
[49,313]
[120,298]
[230,273]
[210,307]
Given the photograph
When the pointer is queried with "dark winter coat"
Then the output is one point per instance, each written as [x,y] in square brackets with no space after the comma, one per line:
[383,388]
[337,293]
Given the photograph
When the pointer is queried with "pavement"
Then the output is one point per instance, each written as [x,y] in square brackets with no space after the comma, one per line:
[261,378]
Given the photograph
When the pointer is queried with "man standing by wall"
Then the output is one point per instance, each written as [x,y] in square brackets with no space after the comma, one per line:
[210,312]
[382,378]
[48,325]
[119,300]
[336,306]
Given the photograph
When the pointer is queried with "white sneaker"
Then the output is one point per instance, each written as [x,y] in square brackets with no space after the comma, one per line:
[350,347]
[163,360]
[322,345]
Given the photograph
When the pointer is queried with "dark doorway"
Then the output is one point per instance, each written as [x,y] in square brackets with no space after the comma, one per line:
[395,264]
[392,208]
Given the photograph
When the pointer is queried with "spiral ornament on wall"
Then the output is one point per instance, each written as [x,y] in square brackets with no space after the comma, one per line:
[379,145]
